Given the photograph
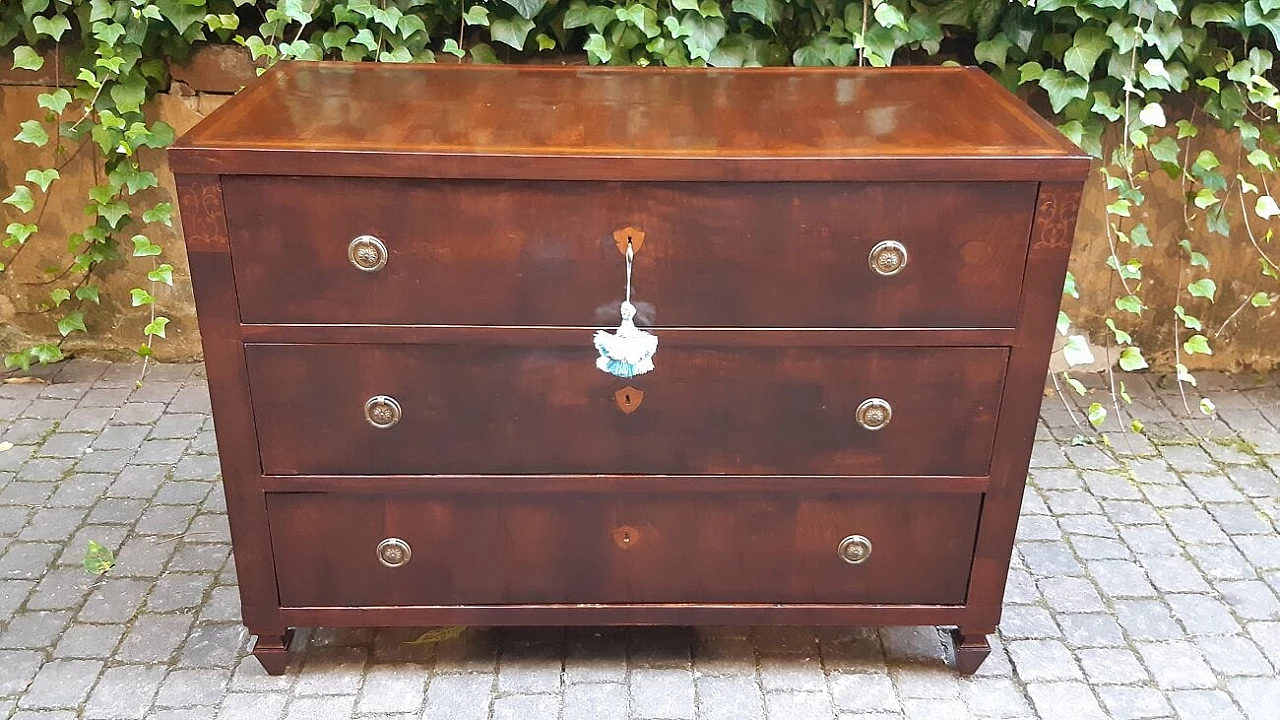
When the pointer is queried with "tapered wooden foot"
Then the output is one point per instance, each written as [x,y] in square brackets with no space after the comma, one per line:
[272,651]
[970,649]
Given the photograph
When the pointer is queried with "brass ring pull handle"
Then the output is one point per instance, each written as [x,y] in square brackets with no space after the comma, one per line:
[382,411]
[855,549]
[367,253]
[888,257]
[394,552]
[874,413]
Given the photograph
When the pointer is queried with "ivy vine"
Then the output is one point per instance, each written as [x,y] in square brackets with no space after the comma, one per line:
[1144,78]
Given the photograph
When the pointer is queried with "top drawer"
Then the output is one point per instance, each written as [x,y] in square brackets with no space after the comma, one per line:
[780,255]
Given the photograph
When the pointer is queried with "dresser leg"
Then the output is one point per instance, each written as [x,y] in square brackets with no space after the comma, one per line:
[272,651]
[970,648]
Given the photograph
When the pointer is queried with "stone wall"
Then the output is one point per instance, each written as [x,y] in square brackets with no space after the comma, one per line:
[1250,340]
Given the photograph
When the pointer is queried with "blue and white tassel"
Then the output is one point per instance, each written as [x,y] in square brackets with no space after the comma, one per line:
[628,351]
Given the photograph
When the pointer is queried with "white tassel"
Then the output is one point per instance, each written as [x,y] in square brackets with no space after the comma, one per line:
[629,351]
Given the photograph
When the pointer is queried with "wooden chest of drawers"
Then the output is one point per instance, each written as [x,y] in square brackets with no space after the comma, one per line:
[853,277]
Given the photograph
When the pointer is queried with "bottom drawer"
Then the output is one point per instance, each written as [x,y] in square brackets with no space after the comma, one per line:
[628,548]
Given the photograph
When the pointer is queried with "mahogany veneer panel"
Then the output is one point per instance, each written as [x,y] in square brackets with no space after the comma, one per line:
[476,550]
[719,255]
[549,411]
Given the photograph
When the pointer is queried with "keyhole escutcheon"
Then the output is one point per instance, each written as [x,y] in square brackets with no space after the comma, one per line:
[628,399]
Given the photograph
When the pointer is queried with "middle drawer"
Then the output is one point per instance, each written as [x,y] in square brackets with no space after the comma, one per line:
[512,409]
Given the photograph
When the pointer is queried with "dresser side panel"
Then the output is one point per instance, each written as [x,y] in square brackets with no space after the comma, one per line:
[204,225]
[1057,205]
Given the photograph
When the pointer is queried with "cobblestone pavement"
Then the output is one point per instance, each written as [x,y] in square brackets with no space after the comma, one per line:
[1144,586]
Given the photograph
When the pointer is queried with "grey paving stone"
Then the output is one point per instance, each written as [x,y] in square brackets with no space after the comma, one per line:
[1150,540]
[1213,488]
[1257,696]
[213,646]
[393,688]
[49,409]
[789,705]
[1187,458]
[104,461]
[1176,665]
[252,706]
[1112,666]
[995,698]
[1233,655]
[719,698]
[1049,559]
[1043,660]
[45,469]
[1096,548]
[1038,527]
[183,492]
[1021,622]
[124,692]
[1262,551]
[1194,525]
[332,671]
[116,511]
[177,425]
[61,684]
[177,591]
[61,588]
[527,707]
[32,494]
[321,708]
[14,519]
[904,644]
[26,561]
[1255,481]
[14,457]
[83,640]
[34,629]
[784,640]
[1203,704]
[154,638]
[1131,703]
[1169,496]
[155,391]
[160,452]
[1147,620]
[459,697]
[661,693]
[208,528]
[79,490]
[660,647]
[13,593]
[722,656]
[1070,502]
[1203,614]
[223,605]
[1068,594]
[87,419]
[932,682]
[20,667]
[65,445]
[1065,701]
[535,669]
[100,397]
[1221,562]
[1091,630]
[114,600]
[608,701]
[1120,578]
[142,413]
[52,524]
[792,672]
[165,520]
[138,481]
[1172,573]
[1250,599]
[1240,518]
[1127,512]
[142,557]
[191,399]
[1057,479]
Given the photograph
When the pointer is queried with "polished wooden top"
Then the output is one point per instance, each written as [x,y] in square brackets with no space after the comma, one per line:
[528,122]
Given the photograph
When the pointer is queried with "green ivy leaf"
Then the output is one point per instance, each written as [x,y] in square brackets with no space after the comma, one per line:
[512,31]
[55,101]
[1197,345]
[1260,299]
[1139,237]
[1205,198]
[1266,207]
[1063,88]
[1097,415]
[25,58]
[140,297]
[163,274]
[52,27]
[88,293]
[32,132]
[1088,45]
[1131,359]
[994,51]
[1076,351]
[527,8]
[98,559]
[1223,13]
[889,16]
[1130,304]
[580,14]
[57,296]
[1075,385]
[1064,324]
[143,247]
[767,12]
[545,42]
[21,198]
[1192,322]
[1207,407]
[1204,288]
[702,34]
[451,47]
[396,55]
[112,212]
[597,49]
[482,54]
[1069,286]
[1122,337]
[156,327]
[17,233]
[72,323]
[42,178]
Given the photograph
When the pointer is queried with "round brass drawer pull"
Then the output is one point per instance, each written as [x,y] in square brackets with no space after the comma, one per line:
[382,411]
[367,253]
[855,549]
[888,257]
[874,413]
[394,552]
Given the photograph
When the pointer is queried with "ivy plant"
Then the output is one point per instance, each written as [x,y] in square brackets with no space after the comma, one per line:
[1136,83]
